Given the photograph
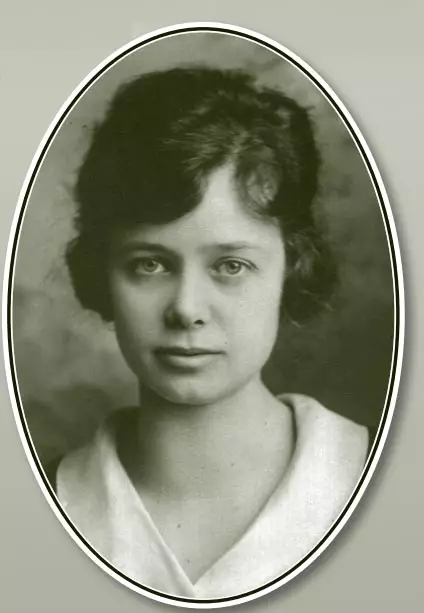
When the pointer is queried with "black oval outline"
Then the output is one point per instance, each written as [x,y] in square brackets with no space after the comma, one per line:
[242,33]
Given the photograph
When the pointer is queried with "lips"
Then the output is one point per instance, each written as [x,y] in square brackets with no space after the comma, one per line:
[187,359]
[187,351]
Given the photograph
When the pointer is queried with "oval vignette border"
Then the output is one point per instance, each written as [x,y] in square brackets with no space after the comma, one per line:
[398,292]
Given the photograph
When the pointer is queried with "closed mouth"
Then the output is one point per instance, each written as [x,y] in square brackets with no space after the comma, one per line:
[187,351]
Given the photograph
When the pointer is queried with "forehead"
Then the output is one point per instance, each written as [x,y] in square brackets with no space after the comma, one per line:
[219,218]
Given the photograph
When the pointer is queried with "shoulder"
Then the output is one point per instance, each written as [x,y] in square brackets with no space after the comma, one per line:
[329,456]
[330,435]
[309,412]
[77,464]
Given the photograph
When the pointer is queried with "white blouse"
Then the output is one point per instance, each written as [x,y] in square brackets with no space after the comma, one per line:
[100,500]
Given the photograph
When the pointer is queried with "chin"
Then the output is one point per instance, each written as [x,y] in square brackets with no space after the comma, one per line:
[194,396]
[194,391]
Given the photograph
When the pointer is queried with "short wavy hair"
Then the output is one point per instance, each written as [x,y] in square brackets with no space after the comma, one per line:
[163,134]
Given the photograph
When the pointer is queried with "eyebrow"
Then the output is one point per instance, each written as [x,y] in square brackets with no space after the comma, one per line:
[238,246]
[138,245]
[141,245]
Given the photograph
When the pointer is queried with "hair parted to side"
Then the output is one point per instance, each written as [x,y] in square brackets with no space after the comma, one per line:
[150,158]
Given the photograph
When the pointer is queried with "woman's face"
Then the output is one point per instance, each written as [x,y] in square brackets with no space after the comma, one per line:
[196,301]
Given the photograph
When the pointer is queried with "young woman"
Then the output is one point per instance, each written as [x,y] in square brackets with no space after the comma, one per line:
[196,238]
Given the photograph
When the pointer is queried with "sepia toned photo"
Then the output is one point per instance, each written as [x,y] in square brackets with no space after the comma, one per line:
[205,315]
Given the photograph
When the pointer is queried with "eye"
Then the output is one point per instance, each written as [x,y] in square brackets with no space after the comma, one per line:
[146,266]
[232,267]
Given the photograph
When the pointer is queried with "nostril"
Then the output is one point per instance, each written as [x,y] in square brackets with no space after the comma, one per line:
[188,306]
[185,316]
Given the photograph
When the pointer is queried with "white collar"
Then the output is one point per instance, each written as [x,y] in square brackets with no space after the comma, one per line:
[100,500]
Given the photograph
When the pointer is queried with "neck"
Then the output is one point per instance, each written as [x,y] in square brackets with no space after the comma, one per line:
[180,448]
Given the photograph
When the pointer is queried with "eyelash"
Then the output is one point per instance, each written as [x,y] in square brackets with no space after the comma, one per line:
[241,265]
[134,266]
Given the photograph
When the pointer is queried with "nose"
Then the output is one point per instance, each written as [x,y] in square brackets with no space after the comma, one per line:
[189,304]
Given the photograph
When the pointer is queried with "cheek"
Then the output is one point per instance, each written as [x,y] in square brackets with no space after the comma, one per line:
[256,319]
[132,306]
[136,319]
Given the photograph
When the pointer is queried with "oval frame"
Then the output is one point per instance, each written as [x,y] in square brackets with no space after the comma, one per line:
[399,310]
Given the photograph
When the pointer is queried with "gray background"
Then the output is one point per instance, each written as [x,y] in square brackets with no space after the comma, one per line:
[371,54]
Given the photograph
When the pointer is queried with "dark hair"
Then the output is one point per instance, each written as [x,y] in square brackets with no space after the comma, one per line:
[163,134]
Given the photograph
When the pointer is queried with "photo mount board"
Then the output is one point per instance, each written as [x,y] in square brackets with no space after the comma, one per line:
[398,293]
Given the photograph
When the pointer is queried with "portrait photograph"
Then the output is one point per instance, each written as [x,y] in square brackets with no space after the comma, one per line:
[204,315]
